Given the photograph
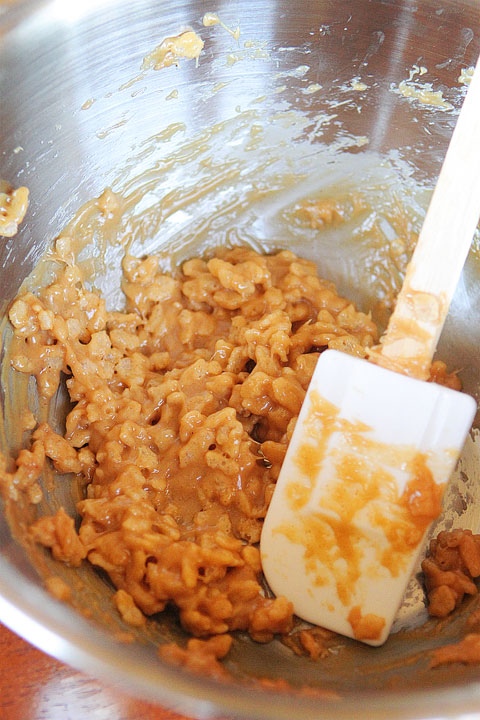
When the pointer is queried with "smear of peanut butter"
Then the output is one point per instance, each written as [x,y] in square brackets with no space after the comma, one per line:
[186,45]
[13,206]
[364,482]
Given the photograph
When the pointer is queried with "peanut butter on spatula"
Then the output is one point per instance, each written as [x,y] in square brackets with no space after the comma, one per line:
[375,444]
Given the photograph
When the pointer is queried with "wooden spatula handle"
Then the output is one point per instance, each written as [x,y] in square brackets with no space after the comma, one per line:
[434,270]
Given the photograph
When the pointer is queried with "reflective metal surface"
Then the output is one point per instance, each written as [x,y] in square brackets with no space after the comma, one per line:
[72,123]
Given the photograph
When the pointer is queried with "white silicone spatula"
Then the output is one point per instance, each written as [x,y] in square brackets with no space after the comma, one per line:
[374,446]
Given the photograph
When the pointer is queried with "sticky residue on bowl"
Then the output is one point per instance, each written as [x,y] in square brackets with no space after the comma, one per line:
[13,207]
[186,45]
[423,92]
[211,18]
[466,75]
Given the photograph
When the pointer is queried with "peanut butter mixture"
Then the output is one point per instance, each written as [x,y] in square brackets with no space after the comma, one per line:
[183,407]
[453,562]
[186,45]
[13,206]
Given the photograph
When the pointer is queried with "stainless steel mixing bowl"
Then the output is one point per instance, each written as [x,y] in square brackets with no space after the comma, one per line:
[218,153]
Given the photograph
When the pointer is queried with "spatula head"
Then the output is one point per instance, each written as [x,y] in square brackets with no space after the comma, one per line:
[361,483]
